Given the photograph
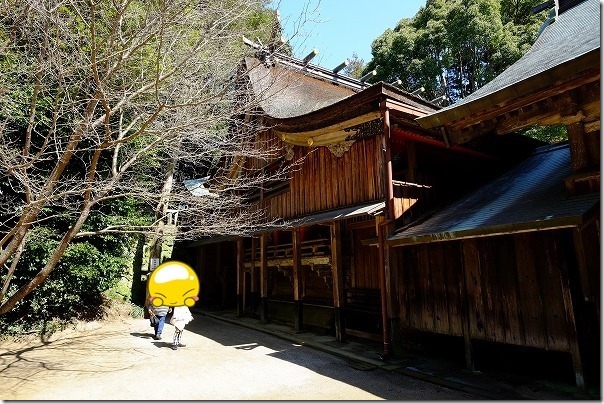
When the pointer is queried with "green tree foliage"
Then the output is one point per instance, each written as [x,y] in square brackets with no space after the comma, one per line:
[453,47]
[88,268]
[355,66]
[548,134]
[99,101]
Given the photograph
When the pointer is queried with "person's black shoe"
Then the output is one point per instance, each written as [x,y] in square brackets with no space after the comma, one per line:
[182,345]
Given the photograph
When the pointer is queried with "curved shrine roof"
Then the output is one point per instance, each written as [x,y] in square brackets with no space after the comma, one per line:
[285,92]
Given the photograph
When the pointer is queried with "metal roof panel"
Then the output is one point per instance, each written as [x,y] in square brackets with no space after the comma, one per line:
[530,196]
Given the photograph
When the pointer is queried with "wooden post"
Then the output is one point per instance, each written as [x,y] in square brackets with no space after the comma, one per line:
[387,227]
[389,214]
[389,217]
[217,274]
[297,275]
[383,293]
[470,258]
[578,149]
[587,297]
[583,317]
[240,277]
[575,346]
[263,280]
[337,273]
[253,280]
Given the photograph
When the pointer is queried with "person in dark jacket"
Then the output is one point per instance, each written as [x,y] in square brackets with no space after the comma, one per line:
[158,318]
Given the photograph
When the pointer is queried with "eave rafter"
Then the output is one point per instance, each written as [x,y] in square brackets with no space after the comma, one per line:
[562,105]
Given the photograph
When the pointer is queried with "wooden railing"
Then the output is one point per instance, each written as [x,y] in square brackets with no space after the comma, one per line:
[316,251]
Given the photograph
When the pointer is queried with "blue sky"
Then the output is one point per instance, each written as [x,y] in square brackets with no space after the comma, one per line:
[337,28]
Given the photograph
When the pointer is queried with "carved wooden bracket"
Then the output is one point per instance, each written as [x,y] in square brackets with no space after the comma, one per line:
[289,151]
[365,130]
[338,149]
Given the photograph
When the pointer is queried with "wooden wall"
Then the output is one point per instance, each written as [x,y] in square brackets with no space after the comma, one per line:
[509,288]
[216,269]
[364,268]
[325,182]
[428,286]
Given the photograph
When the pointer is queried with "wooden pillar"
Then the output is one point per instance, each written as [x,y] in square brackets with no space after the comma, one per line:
[263,279]
[337,273]
[217,275]
[389,214]
[582,310]
[389,217]
[387,228]
[253,279]
[240,277]
[575,348]
[587,246]
[383,292]
[470,261]
[297,275]
[578,149]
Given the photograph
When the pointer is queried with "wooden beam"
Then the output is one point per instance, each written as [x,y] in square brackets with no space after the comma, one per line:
[589,127]
[578,150]
[445,135]
[405,108]
[469,128]
[360,225]
[337,272]
[289,262]
[464,135]
[328,135]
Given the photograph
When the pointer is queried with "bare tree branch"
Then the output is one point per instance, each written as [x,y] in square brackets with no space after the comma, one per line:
[109,100]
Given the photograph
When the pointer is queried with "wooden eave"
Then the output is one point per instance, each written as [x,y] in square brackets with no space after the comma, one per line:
[562,94]
[332,124]
[506,229]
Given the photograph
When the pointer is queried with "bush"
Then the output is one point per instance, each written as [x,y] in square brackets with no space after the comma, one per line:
[74,290]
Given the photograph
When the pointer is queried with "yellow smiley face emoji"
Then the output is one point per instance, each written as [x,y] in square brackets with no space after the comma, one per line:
[173,283]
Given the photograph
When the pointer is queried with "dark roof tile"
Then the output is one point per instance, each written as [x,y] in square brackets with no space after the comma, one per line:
[530,196]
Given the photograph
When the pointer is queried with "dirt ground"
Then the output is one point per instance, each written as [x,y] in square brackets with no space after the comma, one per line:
[117,359]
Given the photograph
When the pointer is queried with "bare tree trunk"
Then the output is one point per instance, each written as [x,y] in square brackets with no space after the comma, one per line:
[11,270]
[125,93]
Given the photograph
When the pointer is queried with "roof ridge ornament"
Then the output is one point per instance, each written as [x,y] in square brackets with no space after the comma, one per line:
[263,53]
[368,76]
[309,57]
[341,66]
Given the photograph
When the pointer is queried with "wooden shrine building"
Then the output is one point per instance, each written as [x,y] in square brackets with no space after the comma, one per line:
[527,246]
[402,217]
